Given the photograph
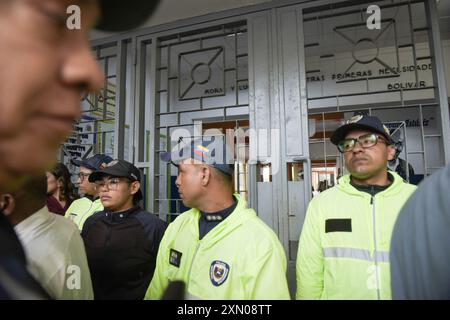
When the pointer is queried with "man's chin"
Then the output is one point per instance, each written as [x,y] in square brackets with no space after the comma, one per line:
[361,174]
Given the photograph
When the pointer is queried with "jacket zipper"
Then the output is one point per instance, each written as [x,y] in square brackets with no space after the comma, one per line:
[81,218]
[372,202]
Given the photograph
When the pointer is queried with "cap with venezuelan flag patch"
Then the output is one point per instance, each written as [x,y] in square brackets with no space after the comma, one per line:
[213,151]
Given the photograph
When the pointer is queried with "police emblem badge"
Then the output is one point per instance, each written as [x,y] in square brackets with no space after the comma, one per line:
[218,272]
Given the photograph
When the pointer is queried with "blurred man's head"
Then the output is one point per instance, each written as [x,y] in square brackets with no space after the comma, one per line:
[45,69]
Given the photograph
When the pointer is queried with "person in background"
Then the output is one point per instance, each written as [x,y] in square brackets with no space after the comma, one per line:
[121,241]
[60,189]
[345,241]
[53,245]
[399,165]
[323,185]
[83,208]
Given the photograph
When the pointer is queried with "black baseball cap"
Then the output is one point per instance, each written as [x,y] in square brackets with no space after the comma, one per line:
[364,122]
[119,168]
[214,152]
[95,163]
[122,15]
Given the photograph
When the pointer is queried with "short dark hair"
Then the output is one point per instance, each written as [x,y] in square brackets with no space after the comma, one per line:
[226,178]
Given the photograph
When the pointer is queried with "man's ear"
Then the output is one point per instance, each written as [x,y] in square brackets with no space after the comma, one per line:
[8,204]
[206,174]
[391,152]
[135,186]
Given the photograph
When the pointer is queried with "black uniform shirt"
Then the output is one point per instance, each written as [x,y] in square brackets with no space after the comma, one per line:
[121,248]
[208,221]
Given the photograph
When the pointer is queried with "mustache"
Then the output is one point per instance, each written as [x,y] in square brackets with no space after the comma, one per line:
[360,158]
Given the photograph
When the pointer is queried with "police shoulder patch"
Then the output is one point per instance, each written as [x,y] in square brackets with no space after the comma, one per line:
[218,272]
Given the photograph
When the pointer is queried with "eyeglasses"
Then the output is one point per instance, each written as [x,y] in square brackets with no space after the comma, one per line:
[365,141]
[82,176]
[111,183]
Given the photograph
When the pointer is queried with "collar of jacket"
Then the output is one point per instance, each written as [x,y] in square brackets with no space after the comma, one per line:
[92,198]
[240,214]
[396,186]
[121,215]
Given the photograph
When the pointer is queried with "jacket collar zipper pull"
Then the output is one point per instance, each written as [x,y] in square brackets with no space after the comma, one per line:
[372,194]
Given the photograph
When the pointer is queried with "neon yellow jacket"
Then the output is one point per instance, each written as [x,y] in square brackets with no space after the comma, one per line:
[344,245]
[241,258]
[82,209]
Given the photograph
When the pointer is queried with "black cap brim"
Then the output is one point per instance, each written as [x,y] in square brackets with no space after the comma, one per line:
[97,175]
[109,171]
[122,15]
[81,163]
[76,162]
[342,132]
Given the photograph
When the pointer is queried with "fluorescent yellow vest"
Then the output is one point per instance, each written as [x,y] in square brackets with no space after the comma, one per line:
[344,245]
[241,258]
[82,209]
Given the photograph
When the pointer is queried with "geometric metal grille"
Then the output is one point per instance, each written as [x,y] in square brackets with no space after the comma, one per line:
[94,132]
[350,64]
[201,75]
[201,66]
[386,72]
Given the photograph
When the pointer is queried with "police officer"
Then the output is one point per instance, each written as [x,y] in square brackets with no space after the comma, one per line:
[85,207]
[344,245]
[219,248]
[122,240]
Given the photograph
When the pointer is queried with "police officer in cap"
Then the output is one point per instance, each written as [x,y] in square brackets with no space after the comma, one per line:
[85,207]
[219,248]
[344,244]
[122,240]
